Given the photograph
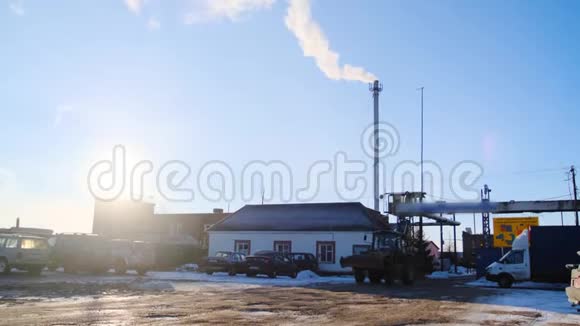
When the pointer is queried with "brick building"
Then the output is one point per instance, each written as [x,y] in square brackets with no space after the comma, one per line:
[138,221]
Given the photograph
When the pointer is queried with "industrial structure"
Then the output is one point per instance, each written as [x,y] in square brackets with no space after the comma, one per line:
[376,87]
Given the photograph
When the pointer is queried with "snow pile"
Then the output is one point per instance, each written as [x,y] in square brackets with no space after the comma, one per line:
[461,272]
[307,275]
[188,268]
[438,276]
[482,282]
[555,301]
[307,278]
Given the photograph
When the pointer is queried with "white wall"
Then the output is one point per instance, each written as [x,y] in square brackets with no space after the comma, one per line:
[301,242]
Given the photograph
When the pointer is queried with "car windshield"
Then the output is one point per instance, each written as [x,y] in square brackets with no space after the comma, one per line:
[222,254]
[513,257]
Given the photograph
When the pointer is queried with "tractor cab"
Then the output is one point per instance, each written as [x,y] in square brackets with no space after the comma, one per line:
[386,240]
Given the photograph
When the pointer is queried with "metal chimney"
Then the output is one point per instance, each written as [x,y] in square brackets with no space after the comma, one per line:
[376,88]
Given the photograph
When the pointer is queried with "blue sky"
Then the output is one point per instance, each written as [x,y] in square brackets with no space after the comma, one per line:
[501,83]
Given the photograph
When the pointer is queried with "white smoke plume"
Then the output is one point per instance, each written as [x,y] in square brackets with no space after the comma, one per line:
[209,10]
[315,44]
[134,5]
[298,20]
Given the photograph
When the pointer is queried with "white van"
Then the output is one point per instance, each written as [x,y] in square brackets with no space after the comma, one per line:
[29,253]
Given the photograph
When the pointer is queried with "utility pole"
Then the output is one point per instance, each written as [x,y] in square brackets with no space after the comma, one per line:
[573,172]
[454,244]
[422,184]
[442,244]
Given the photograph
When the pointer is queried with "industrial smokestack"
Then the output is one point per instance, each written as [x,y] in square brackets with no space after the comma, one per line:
[376,88]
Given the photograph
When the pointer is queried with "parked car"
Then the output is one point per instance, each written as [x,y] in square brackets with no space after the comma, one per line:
[304,261]
[573,291]
[224,261]
[23,252]
[81,252]
[270,263]
[128,254]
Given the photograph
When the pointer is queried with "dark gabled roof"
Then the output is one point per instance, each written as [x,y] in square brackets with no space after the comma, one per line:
[304,217]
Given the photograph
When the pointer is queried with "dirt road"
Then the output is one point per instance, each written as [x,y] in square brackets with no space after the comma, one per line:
[136,303]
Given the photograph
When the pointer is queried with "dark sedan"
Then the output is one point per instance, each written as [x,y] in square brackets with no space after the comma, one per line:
[304,261]
[270,263]
[224,261]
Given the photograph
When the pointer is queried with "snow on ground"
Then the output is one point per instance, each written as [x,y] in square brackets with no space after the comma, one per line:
[166,280]
[553,301]
[304,278]
[461,272]
[188,268]
[482,282]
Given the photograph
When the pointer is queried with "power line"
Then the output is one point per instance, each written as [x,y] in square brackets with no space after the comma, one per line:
[556,197]
[538,171]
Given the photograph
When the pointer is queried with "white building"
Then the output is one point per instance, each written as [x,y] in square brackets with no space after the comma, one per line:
[327,230]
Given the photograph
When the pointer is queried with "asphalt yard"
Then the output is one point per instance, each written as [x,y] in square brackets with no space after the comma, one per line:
[193,298]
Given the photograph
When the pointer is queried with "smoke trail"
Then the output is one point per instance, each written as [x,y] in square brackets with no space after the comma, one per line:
[315,44]
[134,5]
[210,10]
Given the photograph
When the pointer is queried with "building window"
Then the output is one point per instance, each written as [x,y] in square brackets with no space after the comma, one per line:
[284,247]
[11,243]
[359,249]
[242,246]
[325,252]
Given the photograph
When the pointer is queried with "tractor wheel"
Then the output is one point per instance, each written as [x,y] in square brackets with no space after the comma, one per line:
[408,274]
[375,277]
[359,275]
[388,278]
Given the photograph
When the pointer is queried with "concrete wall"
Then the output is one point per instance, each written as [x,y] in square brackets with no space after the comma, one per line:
[301,242]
